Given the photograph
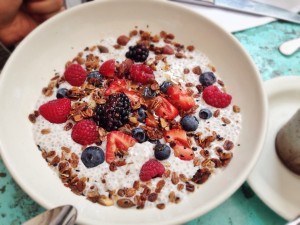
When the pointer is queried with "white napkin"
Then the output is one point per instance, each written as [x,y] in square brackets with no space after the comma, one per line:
[235,21]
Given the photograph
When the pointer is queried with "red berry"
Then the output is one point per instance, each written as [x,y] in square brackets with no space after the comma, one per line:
[214,97]
[115,86]
[177,135]
[117,142]
[108,68]
[151,122]
[141,73]
[165,109]
[182,152]
[133,96]
[85,132]
[168,50]
[56,111]
[75,75]
[152,168]
[180,98]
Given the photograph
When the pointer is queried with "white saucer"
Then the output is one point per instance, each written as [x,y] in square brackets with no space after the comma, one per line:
[278,187]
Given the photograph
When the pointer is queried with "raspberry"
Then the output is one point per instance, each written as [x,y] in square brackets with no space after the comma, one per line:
[85,132]
[56,111]
[152,168]
[214,97]
[141,73]
[108,68]
[75,75]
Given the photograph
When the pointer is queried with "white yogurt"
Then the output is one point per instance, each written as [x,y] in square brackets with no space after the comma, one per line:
[125,176]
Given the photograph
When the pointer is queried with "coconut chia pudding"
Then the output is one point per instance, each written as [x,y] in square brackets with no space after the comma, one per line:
[137,121]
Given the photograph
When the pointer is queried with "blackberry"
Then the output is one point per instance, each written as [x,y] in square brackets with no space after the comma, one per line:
[114,113]
[137,53]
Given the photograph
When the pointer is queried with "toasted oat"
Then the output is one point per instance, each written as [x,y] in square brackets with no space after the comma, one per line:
[123,40]
[216,113]
[236,109]
[186,70]
[225,120]
[102,49]
[190,48]
[179,55]
[201,176]
[197,161]
[32,118]
[183,178]
[197,70]
[160,206]
[189,187]
[160,184]
[180,186]
[129,192]
[174,178]
[152,197]
[172,196]
[104,200]
[228,145]
[125,203]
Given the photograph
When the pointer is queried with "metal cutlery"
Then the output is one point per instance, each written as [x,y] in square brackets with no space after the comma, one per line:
[249,6]
[62,215]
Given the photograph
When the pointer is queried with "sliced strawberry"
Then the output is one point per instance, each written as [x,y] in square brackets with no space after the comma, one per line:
[177,135]
[115,86]
[151,122]
[180,98]
[132,95]
[141,73]
[108,68]
[182,152]
[165,109]
[117,142]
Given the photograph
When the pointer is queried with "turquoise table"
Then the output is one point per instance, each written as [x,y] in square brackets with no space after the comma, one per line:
[243,207]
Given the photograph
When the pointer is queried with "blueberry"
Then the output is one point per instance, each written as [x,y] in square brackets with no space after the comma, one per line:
[148,93]
[164,86]
[139,134]
[95,78]
[141,115]
[154,141]
[162,151]
[207,79]
[189,123]
[62,93]
[205,114]
[92,156]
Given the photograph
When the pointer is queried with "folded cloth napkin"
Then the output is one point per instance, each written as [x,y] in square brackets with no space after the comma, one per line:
[234,21]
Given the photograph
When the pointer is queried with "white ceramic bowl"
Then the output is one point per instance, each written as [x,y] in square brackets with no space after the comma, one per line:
[60,38]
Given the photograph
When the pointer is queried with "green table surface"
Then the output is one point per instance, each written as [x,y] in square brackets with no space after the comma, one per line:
[243,207]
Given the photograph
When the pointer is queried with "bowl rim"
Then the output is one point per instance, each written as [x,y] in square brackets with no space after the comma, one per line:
[229,191]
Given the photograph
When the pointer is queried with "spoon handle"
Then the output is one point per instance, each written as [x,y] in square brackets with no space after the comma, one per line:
[295,221]
[290,47]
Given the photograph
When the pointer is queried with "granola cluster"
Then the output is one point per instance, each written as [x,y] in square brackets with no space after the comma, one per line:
[195,156]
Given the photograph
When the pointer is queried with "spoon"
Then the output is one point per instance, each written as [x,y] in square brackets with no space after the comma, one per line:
[290,47]
[295,221]
[62,215]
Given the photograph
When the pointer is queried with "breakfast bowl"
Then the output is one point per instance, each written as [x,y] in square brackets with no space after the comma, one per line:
[46,50]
